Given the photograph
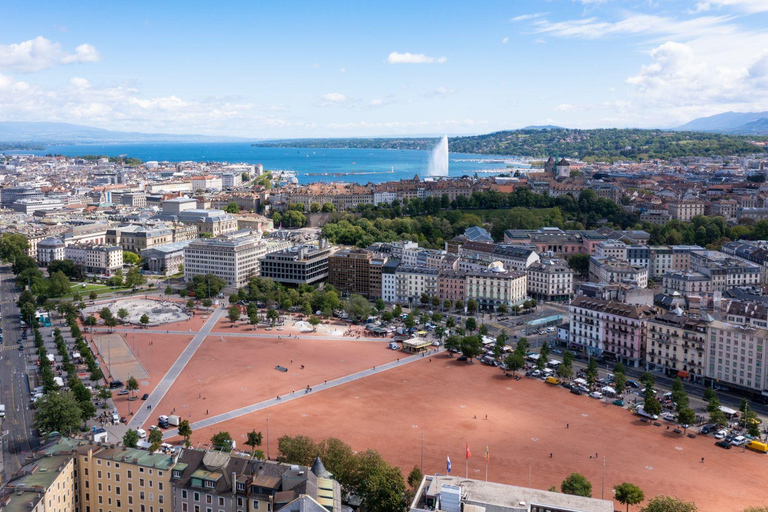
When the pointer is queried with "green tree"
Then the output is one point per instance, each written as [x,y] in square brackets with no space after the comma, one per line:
[472,306]
[190,303]
[221,441]
[514,362]
[380,487]
[12,246]
[144,320]
[470,324]
[471,347]
[669,504]
[452,344]
[380,305]
[93,295]
[314,322]
[397,310]
[185,431]
[58,285]
[253,440]
[315,207]
[328,207]
[709,394]
[648,379]
[58,411]
[679,396]
[90,321]
[447,305]
[155,439]
[233,314]
[111,322]
[300,450]
[576,484]
[579,263]
[132,385]
[131,438]
[651,404]
[122,313]
[686,417]
[628,494]
[135,278]
[415,477]
[207,302]
[620,382]
[232,208]
[357,307]
[131,258]
[591,370]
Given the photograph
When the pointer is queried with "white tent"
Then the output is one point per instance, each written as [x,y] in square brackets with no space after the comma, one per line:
[608,390]
[304,326]
[580,381]
[728,411]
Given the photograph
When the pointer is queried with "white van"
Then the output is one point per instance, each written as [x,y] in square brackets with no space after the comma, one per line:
[115,418]
[142,433]
[739,440]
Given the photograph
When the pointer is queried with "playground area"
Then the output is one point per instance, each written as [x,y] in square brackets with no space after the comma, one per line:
[536,434]
[159,312]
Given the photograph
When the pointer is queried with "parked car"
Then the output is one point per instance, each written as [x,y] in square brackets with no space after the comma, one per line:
[596,394]
[142,433]
[721,434]
[115,384]
[632,384]
[620,403]
[145,396]
[723,444]
[122,392]
[462,358]
[706,429]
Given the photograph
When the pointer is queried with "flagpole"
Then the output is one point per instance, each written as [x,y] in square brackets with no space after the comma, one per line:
[422,453]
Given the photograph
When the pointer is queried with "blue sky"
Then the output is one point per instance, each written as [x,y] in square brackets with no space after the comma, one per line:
[337,69]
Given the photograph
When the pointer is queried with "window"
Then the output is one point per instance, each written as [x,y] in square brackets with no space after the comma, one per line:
[184,507]
[221,501]
[184,493]
[208,499]
[197,497]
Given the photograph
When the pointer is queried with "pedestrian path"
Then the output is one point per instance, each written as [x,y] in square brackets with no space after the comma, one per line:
[237,334]
[173,373]
[220,418]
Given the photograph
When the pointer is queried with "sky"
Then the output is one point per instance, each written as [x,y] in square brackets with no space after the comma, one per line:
[317,68]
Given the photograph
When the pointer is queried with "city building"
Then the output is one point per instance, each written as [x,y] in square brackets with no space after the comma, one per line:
[736,357]
[495,286]
[389,280]
[234,259]
[550,280]
[48,250]
[609,270]
[96,259]
[136,238]
[209,222]
[611,249]
[206,182]
[456,494]
[356,271]
[608,328]
[166,259]
[686,210]
[9,195]
[677,343]
[38,205]
[412,282]
[451,285]
[303,264]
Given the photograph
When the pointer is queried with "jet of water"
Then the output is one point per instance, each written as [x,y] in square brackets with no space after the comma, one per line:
[438,159]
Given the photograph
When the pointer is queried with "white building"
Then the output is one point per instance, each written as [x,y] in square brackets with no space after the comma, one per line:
[48,250]
[384,197]
[231,180]
[411,282]
[207,182]
[496,286]
[236,260]
[97,259]
[611,249]
[736,356]
[609,270]
[550,280]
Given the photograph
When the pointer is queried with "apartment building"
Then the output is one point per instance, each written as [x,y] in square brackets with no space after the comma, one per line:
[122,479]
[605,327]
[686,283]
[736,356]
[666,258]
[611,249]
[95,233]
[234,259]
[231,179]
[495,286]
[48,250]
[609,270]
[685,210]
[550,280]
[210,222]
[166,259]
[515,257]
[303,264]
[30,206]
[47,482]
[411,282]
[451,285]
[96,259]
[677,343]
[133,199]
[389,280]
[725,272]
[211,481]
[356,271]
[638,255]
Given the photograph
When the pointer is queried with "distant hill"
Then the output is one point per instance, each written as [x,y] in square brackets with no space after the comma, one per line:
[543,127]
[589,145]
[64,133]
[742,123]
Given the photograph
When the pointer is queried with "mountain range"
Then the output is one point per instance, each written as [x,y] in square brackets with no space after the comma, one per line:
[734,123]
[65,133]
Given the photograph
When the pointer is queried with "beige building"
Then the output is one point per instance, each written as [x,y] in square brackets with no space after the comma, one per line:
[736,356]
[136,238]
[676,343]
[125,480]
[234,259]
[493,287]
[550,280]
[686,210]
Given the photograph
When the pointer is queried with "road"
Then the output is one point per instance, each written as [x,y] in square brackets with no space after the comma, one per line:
[165,384]
[17,435]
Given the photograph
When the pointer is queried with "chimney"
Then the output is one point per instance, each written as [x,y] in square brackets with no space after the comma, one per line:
[234,483]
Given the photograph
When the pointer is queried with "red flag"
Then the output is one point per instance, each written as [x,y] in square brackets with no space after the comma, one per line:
[468,452]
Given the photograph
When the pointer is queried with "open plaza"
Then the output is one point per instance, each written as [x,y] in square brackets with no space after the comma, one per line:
[336,382]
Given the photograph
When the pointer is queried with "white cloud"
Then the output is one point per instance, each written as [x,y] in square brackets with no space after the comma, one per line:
[413,58]
[333,98]
[377,102]
[539,41]
[41,53]
[526,17]
[440,91]
[505,40]
[750,6]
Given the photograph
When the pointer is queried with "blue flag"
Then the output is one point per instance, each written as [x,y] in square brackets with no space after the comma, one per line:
[448,463]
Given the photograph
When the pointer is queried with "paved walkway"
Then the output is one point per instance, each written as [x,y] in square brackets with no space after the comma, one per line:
[213,420]
[162,388]
[238,334]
